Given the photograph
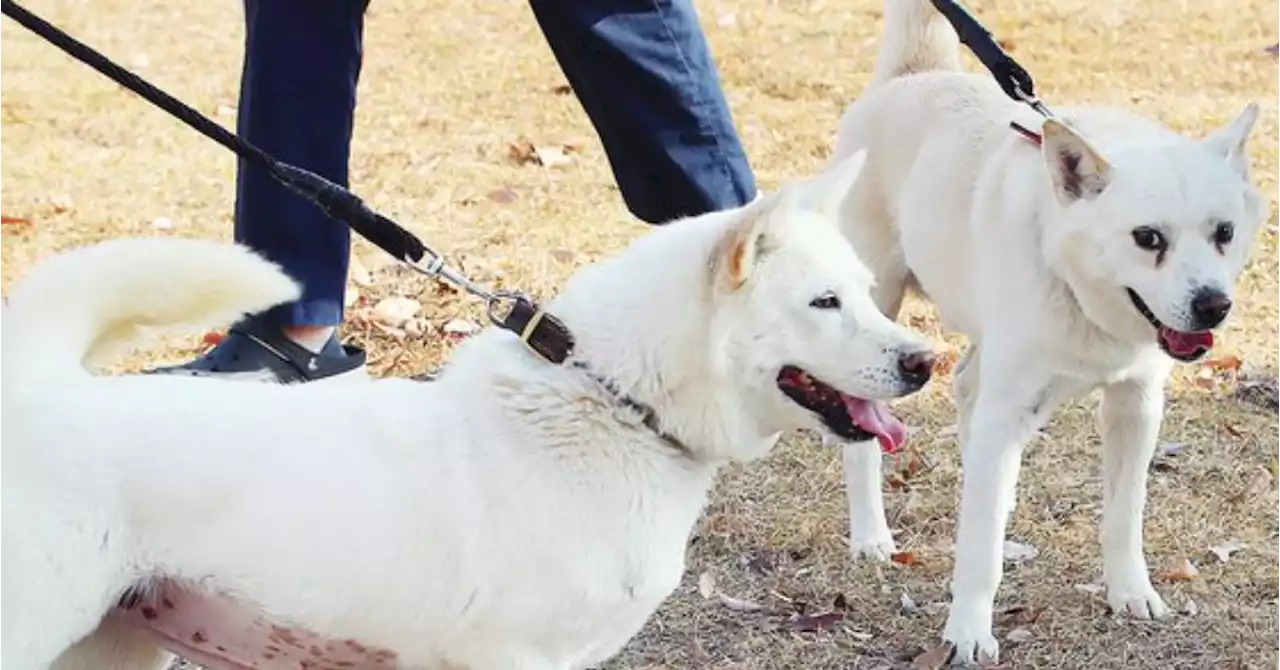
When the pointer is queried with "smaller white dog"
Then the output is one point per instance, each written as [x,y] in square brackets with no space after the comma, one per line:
[513,515]
[1091,261]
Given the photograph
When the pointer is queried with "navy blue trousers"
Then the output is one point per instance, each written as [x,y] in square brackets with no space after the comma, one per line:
[641,69]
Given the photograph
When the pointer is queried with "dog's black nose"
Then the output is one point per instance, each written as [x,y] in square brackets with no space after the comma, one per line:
[916,367]
[1209,307]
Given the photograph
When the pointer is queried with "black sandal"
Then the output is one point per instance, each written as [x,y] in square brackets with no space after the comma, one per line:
[256,351]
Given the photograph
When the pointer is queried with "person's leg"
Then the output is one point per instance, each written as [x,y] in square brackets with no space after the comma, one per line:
[297,102]
[644,74]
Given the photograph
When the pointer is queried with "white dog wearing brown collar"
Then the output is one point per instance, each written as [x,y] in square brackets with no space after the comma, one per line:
[513,514]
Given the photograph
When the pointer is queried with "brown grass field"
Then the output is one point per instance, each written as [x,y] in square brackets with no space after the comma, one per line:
[451,86]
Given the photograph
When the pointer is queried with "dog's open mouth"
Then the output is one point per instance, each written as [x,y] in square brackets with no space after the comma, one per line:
[851,418]
[1180,345]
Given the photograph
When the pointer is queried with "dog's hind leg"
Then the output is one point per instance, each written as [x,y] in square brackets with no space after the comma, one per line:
[114,646]
[1129,420]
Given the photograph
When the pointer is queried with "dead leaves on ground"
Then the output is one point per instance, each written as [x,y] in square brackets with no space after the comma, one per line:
[1223,552]
[1182,571]
[525,152]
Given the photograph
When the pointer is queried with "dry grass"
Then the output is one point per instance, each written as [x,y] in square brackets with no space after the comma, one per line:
[464,79]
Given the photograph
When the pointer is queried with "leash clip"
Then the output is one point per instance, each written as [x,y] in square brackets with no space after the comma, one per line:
[1032,101]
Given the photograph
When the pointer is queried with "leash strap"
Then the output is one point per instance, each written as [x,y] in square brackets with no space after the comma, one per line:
[1013,79]
[546,335]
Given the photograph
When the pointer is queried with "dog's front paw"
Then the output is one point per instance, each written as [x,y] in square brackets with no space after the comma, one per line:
[972,642]
[1139,601]
[874,549]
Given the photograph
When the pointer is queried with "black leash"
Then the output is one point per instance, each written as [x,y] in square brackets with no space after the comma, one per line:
[541,331]
[1014,80]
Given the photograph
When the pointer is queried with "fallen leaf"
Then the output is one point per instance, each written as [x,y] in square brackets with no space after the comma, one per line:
[395,310]
[933,659]
[1019,615]
[562,89]
[1018,552]
[907,604]
[707,585]
[1018,635]
[896,482]
[738,605]
[904,558]
[551,156]
[162,223]
[459,327]
[522,152]
[502,196]
[1182,572]
[814,622]
[213,338]
[1232,430]
[1163,460]
[1228,363]
[1224,551]
[946,362]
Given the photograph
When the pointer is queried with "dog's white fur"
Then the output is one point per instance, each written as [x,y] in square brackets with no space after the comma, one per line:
[1027,252]
[510,515]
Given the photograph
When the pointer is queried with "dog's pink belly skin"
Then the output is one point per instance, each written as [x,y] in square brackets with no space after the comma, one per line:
[223,634]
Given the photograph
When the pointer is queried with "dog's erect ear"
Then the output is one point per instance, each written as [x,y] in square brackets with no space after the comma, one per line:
[824,193]
[741,247]
[1078,170]
[1230,140]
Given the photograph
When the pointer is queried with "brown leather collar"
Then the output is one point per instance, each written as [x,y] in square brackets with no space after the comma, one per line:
[551,340]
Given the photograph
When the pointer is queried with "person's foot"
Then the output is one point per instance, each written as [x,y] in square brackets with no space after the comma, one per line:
[256,351]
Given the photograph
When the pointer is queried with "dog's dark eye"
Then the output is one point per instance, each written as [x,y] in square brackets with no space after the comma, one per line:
[1149,238]
[827,300]
[1224,233]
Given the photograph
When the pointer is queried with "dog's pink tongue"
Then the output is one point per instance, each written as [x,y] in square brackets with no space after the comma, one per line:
[1184,343]
[874,417]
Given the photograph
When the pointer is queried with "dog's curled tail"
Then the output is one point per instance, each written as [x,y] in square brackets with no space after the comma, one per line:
[79,306]
[916,38]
